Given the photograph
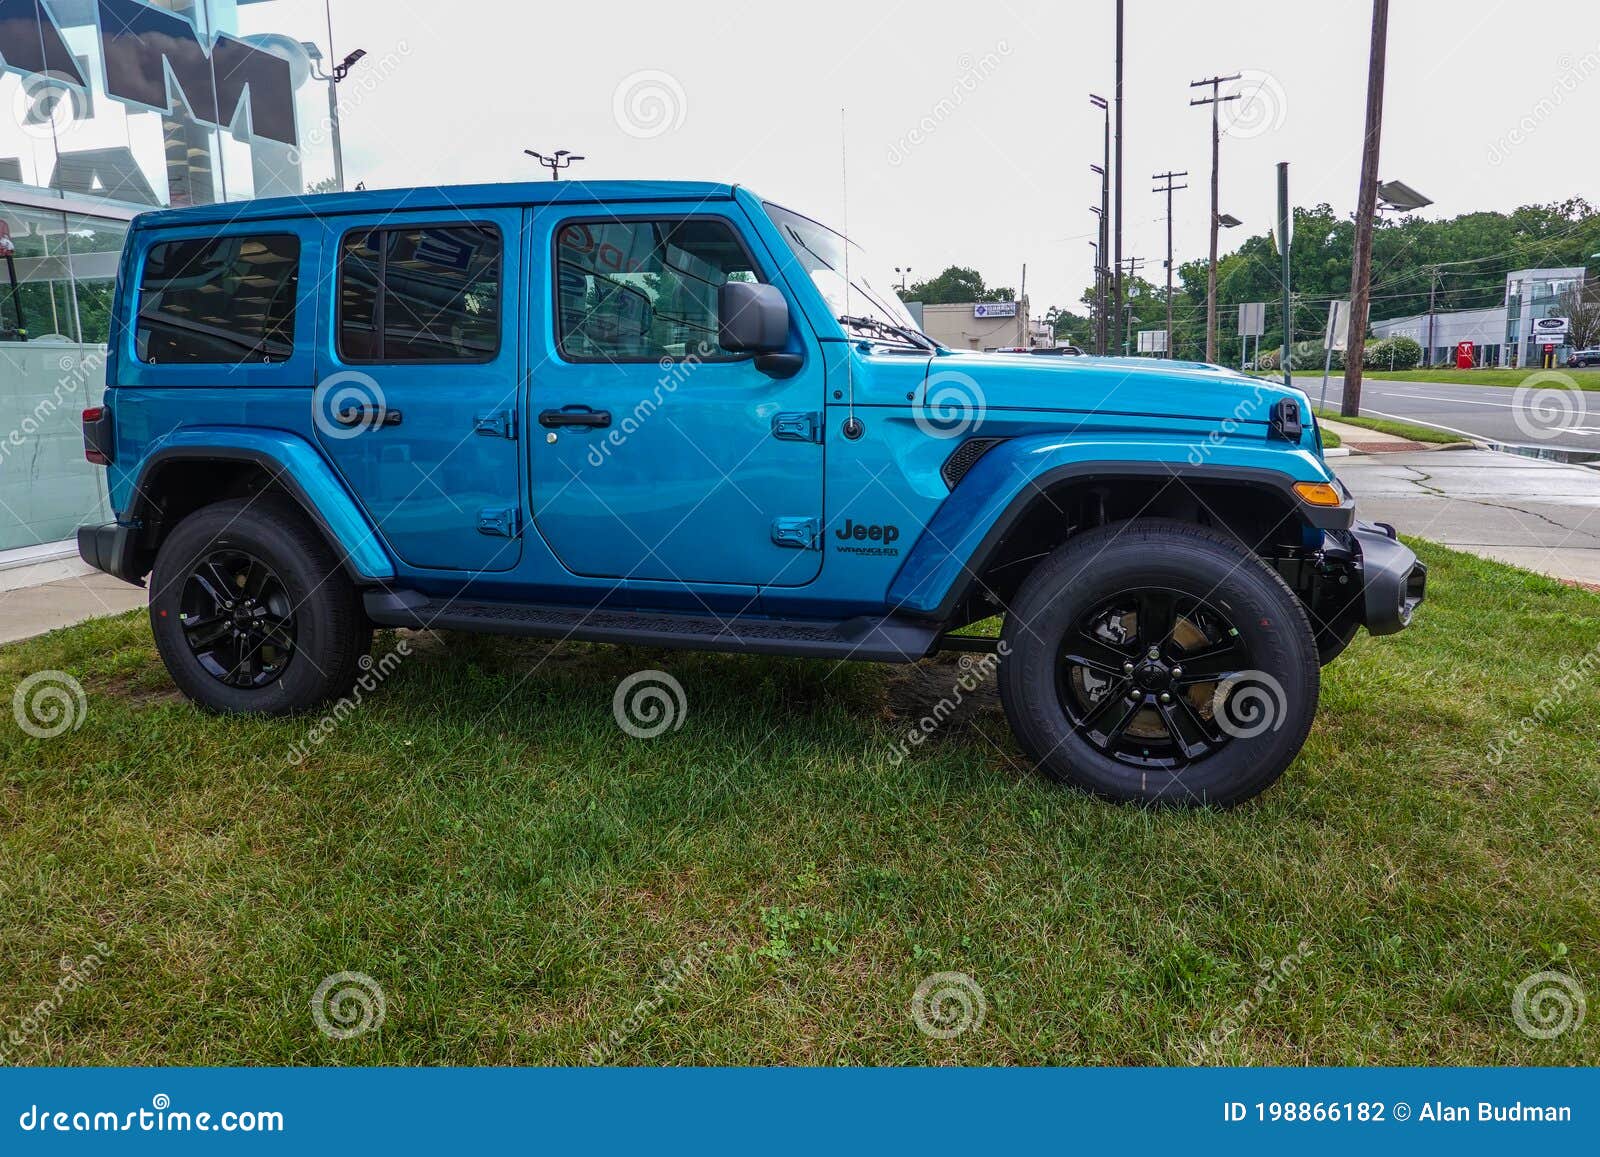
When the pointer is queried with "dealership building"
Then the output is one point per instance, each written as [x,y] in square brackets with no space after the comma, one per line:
[1503,336]
[123,106]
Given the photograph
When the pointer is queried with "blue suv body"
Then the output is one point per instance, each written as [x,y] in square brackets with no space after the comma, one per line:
[675,414]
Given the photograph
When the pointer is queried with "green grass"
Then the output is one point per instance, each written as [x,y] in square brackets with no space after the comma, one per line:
[517,873]
[1330,440]
[1399,429]
[1588,379]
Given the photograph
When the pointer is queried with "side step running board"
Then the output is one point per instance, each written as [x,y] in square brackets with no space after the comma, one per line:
[869,639]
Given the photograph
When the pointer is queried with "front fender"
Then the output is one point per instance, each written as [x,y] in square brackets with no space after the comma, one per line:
[293,463]
[996,492]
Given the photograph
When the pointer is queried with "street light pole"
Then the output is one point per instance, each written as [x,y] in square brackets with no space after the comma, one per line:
[1366,211]
[555,162]
[1215,101]
[1102,334]
[1116,290]
[1169,188]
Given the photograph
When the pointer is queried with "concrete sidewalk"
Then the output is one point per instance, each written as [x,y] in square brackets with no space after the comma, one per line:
[1543,516]
[42,596]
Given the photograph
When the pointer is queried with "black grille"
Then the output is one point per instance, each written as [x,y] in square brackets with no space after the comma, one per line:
[964,458]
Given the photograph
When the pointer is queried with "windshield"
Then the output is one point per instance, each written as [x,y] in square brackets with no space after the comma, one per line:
[822,251]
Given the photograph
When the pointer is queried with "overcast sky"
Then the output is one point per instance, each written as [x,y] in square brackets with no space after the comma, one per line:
[969,130]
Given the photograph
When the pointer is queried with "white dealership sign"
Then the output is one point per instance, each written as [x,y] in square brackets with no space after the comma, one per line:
[995,309]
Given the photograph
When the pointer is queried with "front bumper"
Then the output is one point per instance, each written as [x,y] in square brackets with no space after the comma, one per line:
[1393,582]
[113,549]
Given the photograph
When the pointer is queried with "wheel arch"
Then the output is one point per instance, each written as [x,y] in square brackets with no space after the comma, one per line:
[983,542]
[181,477]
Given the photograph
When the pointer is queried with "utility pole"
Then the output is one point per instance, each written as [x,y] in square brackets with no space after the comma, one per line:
[1215,101]
[1169,188]
[1433,285]
[1366,210]
[1116,291]
[1134,264]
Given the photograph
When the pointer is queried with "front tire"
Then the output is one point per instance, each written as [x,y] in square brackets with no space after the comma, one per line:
[1159,663]
[251,611]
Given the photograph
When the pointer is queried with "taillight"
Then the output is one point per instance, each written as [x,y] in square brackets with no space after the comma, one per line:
[97,435]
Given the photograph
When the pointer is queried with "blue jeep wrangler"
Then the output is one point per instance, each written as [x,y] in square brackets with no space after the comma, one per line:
[677,415]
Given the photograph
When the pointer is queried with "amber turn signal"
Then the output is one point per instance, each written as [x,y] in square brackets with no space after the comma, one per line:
[1317,493]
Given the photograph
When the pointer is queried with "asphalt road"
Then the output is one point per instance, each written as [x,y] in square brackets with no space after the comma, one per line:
[1569,419]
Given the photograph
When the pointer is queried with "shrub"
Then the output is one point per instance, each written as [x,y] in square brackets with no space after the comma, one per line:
[1392,353]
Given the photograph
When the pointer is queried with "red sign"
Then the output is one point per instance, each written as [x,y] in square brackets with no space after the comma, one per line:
[1466,355]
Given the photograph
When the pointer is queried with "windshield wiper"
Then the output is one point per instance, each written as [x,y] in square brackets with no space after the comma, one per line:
[904,332]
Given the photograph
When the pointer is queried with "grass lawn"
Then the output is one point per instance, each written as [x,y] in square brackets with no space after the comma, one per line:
[1388,426]
[770,882]
[1330,440]
[1588,379]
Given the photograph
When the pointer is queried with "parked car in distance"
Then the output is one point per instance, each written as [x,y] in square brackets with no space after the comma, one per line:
[664,414]
[1580,358]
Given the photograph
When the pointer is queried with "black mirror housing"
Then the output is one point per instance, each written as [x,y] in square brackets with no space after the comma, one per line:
[752,318]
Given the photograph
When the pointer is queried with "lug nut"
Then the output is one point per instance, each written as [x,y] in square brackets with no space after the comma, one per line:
[1165,698]
[1127,668]
[1155,652]
[1177,672]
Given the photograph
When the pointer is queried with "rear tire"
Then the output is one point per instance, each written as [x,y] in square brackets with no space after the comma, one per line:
[252,612]
[1124,708]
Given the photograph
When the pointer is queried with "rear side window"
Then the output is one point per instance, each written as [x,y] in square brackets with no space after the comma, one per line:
[420,294]
[644,290]
[219,300]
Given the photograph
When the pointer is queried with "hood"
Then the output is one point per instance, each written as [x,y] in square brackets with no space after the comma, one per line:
[1144,387]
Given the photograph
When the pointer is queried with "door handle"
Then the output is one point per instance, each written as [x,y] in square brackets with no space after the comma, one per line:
[575,416]
[369,416]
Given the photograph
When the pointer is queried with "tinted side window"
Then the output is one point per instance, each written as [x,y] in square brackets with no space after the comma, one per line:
[219,300]
[644,290]
[420,295]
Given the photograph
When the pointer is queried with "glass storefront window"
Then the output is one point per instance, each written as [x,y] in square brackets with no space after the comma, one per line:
[94,247]
[37,296]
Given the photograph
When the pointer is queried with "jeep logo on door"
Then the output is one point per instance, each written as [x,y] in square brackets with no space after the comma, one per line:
[222,83]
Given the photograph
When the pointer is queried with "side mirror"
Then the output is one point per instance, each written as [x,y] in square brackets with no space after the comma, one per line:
[752,318]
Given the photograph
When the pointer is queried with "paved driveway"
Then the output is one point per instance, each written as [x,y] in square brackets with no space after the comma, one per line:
[1544,516]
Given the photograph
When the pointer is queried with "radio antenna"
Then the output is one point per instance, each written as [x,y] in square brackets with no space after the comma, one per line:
[852,428]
